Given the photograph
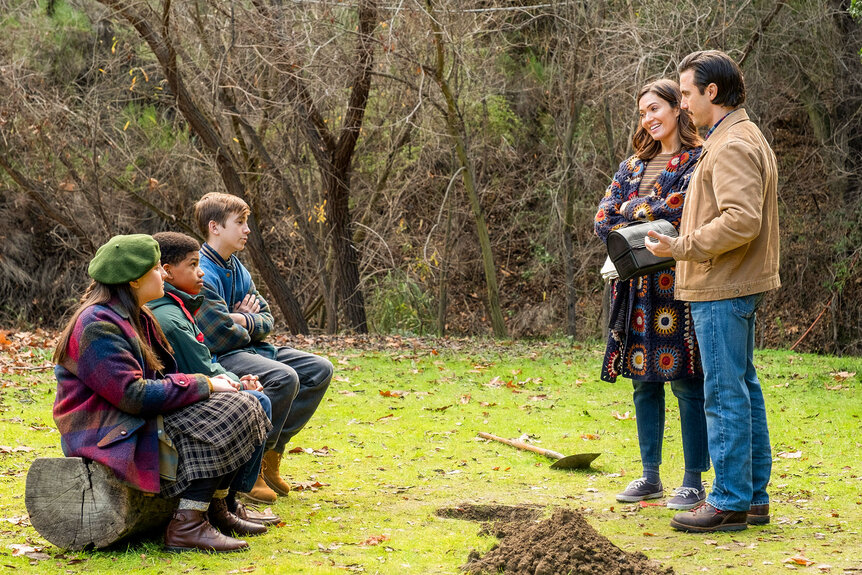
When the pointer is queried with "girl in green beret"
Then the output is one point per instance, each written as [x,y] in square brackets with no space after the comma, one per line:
[121,403]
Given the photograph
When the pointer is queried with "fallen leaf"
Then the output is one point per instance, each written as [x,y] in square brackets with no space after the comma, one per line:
[393,393]
[589,436]
[308,485]
[464,399]
[790,454]
[626,415]
[496,382]
[17,520]
[374,540]
[842,375]
[799,560]
[18,449]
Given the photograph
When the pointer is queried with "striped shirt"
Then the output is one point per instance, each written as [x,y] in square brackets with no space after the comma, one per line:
[652,170]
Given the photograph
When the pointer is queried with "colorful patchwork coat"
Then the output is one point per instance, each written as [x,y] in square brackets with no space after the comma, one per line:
[651,335]
[107,401]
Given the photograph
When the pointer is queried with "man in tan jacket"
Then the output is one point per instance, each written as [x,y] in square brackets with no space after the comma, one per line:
[727,254]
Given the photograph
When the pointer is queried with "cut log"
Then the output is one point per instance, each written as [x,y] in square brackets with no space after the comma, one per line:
[77,504]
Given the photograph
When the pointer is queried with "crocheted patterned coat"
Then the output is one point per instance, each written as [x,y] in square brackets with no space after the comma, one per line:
[107,399]
[651,335]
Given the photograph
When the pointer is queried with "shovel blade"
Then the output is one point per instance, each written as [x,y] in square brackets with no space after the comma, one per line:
[577,461]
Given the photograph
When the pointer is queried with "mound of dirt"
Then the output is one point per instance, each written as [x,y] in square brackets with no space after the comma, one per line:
[492,513]
[563,544]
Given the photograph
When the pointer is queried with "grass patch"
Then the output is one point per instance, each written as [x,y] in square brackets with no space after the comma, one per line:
[395,459]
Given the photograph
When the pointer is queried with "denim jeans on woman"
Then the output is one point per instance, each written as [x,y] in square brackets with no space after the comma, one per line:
[735,410]
[649,409]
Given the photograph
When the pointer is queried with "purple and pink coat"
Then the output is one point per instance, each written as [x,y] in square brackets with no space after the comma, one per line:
[108,400]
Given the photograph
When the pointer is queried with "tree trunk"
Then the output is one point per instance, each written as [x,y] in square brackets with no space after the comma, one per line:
[346,261]
[227,165]
[457,131]
[76,504]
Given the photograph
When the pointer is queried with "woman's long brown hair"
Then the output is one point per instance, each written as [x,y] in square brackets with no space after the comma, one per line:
[98,293]
[646,148]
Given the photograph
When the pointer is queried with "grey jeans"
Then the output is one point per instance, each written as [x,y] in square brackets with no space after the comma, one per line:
[295,382]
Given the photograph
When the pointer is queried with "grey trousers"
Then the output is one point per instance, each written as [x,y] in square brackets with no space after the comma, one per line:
[295,383]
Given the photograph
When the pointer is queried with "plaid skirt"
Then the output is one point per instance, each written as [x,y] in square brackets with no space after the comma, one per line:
[214,437]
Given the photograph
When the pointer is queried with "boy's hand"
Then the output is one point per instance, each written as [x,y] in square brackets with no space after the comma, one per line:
[250,383]
[249,304]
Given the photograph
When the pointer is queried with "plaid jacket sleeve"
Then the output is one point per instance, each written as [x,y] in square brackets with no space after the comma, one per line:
[221,334]
[260,323]
[108,364]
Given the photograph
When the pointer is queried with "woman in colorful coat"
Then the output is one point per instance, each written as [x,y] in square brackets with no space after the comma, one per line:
[651,338]
[121,403]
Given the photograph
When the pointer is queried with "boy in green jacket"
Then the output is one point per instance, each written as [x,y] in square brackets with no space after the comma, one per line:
[175,312]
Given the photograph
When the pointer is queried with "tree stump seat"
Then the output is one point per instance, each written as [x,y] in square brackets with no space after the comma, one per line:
[76,504]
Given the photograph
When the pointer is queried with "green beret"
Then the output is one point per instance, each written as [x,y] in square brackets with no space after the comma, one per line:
[124,258]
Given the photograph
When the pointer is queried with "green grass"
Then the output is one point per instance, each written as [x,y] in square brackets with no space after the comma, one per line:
[394,460]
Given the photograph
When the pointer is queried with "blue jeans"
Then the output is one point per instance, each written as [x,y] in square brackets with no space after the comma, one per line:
[247,474]
[295,382]
[735,410]
[649,409]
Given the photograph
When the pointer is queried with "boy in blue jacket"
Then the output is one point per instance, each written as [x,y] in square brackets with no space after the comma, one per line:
[236,320]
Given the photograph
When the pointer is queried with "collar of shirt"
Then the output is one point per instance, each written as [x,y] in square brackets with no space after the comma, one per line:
[714,126]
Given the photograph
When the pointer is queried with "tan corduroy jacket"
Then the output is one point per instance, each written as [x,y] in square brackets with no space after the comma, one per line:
[728,242]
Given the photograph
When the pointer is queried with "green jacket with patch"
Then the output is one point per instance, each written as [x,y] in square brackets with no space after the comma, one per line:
[175,312]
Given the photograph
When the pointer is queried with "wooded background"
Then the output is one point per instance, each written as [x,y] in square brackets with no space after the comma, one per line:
[416,166]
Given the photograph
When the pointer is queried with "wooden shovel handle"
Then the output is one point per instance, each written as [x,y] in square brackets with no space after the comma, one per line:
[522,445]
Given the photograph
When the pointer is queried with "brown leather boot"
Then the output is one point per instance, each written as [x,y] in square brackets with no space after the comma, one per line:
[269,470]
[262,517]
[189,530]
[261,493]
[227,522]
[758,515]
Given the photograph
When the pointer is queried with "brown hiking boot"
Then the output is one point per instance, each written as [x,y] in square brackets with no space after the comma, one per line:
[189,530]
[226,522]
[758,515]
[269,471]
[261,493]
[706,519]
[266,517]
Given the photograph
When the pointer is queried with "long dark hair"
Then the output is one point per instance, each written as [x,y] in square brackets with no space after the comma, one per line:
[98,293]
[645,146]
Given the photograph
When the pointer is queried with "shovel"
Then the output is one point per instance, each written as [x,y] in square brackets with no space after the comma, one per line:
[577,461]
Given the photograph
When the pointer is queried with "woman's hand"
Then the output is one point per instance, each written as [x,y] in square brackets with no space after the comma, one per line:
[250,383]
[224,384]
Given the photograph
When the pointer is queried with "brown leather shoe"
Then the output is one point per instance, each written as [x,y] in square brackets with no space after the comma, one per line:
[706,519]
[269,470]
[261,493]
[758,515]
[227,522]
[266,517]
[189,530]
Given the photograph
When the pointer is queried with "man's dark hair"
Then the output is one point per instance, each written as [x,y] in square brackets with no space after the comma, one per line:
[175,246]
[716,67]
